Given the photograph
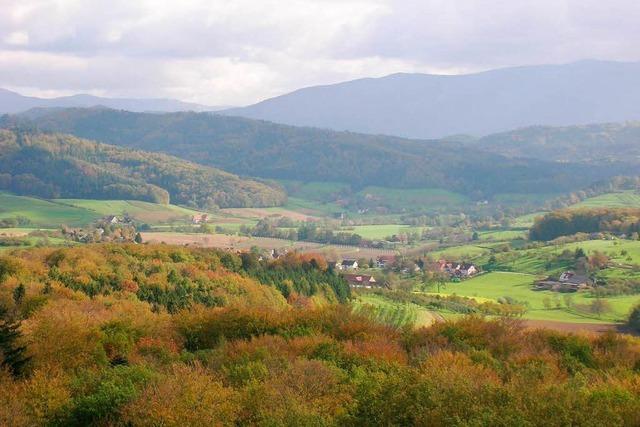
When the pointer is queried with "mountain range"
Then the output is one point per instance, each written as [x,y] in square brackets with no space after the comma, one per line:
[434,106]
[12,102]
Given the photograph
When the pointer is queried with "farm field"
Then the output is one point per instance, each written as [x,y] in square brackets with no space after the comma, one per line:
[393,313]
[44,213]
[410,199]
[518,286]
[381,231]
[623,199]
[151,213]
[526,221]
[235,242]
[467,252]
[502,235]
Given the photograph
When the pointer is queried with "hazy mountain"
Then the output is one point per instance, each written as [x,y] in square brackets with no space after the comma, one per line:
[12,102]
[55,165]
[269,150]
[432,106]
[595,143]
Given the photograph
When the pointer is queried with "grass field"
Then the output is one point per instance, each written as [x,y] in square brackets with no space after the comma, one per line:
[502,235]
[518,286]
[382,231]
[623,199]
[143,211]
[526,221]
[464,252]
[44,213]
[393,313]
[410,199]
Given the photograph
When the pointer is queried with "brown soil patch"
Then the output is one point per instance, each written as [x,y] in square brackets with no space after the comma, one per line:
[253,213]
[572,327]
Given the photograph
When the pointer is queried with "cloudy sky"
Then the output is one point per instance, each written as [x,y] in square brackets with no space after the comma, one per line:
[235,52]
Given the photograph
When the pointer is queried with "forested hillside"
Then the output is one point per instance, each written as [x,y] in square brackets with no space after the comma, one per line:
[596,143]
[118,335]
[53,165]
[263,149]
[571,221]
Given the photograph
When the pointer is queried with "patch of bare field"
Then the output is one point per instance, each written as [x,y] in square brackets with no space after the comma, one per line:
[598,328]
[224,241]
[257,213]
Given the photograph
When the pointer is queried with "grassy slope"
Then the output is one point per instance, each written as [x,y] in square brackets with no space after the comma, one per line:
[518,286]
[44,213]
[395,313]
[623,199]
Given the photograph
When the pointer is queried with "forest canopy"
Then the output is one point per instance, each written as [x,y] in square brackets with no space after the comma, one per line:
[54,165]
[571,221]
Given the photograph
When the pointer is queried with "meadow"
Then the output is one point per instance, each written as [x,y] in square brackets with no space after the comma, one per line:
[623,199]
[44,213]
[392,313]
[496,285]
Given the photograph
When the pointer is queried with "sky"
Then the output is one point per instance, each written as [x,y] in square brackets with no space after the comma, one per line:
[236,52]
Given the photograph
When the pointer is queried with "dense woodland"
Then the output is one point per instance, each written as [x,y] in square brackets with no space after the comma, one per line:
[594,143]
[100,335]
[571,221]
[256,148]
[52,166]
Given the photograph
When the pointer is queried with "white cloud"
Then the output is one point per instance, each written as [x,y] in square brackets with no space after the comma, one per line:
[17,38]
[240,51]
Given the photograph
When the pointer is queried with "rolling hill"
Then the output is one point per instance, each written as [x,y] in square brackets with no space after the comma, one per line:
[268,150]
[594,143]
[434,106]
[55,165]
[12,102]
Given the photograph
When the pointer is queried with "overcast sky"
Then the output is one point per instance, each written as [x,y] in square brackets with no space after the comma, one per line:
[235,52]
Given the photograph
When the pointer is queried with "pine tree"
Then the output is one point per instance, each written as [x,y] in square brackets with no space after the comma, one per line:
[12,355]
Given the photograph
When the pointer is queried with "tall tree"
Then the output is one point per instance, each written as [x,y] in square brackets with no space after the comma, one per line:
[12,354]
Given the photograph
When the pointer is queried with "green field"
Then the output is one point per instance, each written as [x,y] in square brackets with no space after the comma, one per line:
[526,221]
[502,235]
[463,252]
[410,199]
[518,286]
[623,199]
[44,213]
[143,211]
[393,313]
[381,231]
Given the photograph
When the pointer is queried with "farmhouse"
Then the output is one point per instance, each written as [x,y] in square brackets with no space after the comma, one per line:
[360,280]
[384,261]
[199,219]
[348,264]
[111,219]
[568,281]
[455,269]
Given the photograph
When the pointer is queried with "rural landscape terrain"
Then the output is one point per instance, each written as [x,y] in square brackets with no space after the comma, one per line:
[398,233]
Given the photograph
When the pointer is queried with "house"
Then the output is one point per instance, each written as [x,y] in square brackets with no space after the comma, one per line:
[574,280]
[360,280]
[199,219]
[466,270]
[384,261]
[111,219]
[348,264]
[567,282]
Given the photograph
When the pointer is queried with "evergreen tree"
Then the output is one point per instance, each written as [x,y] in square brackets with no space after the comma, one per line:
[12,355]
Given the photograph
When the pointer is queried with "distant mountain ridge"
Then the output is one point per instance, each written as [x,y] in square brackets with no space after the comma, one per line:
[12,102]
[435,106]
[593,143]
[268,150]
